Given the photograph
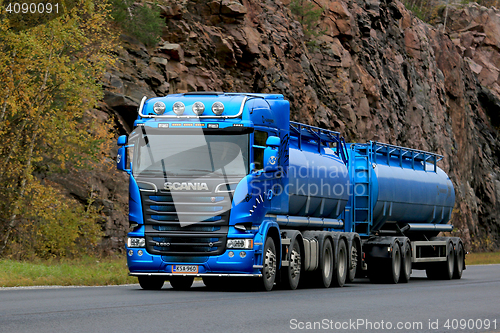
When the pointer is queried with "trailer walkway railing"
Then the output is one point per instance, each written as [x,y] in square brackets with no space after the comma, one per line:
[321,136]
[403,153]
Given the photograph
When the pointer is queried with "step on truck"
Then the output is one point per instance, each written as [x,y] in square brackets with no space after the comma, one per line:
[223,186]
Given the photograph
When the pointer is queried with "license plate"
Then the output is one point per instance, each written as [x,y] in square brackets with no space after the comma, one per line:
[189,269]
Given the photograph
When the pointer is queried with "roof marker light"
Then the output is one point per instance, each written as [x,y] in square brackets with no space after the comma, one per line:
[198,108]
[159,108]
[217,108]
[178,108]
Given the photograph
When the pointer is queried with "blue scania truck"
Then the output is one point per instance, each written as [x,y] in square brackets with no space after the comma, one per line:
[223,186]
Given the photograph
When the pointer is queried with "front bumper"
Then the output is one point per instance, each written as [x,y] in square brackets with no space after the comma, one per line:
[222,265]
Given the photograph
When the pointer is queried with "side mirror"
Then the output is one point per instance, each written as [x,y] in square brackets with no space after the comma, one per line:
[273,141]
[122,140]
[121,158]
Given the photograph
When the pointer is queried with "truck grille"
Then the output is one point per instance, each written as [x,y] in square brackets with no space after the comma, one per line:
[186,223]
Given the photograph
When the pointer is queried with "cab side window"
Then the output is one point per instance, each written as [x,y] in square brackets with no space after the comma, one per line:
[259,144]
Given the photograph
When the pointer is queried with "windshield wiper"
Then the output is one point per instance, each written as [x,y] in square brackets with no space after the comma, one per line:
[207,171]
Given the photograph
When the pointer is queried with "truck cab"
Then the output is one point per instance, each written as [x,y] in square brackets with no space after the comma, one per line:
[202,170]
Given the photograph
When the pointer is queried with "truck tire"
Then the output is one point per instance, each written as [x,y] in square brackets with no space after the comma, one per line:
[459,261]
[341,270]
[324,274]
[406,265]
[269,265]
[181,282]
[394,271]
[443,270]
[386,270]
[354,263]
[293,271]
[151,282]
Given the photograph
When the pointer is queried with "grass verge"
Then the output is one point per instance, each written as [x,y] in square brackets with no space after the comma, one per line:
[485,258]
[79,272]
[110,271]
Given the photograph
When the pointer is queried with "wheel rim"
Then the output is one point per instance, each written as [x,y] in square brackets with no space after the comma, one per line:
[354,257]
[327,266]
[460,259]
[269,264]
[408,261]
[341,262]
[451,259]
[295,263]
[397,260]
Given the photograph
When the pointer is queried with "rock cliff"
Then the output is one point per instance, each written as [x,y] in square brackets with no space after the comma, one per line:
[374,73]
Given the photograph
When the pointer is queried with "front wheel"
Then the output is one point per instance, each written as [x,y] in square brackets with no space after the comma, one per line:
[269,265]
[151,282]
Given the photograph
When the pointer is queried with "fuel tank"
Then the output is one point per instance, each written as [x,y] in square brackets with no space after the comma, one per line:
[318,180]
[404,186]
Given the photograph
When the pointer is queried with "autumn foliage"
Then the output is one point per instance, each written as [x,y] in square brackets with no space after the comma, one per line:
[49,83]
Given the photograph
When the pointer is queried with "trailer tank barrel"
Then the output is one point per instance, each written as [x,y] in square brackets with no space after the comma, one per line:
[404,187]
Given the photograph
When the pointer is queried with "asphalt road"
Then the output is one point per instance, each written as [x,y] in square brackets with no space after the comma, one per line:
[419,306]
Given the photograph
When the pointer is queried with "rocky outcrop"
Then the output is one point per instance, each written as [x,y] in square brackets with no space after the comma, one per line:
[375,73]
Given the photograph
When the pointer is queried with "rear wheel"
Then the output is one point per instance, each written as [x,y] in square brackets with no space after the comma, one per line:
[294,269]
[459,261]
[354,263]
[406,267]
[341,270]
[269,265]
[151,282]
[325,272]
[181,282]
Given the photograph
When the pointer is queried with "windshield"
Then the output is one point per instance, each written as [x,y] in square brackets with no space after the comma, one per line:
[189,153]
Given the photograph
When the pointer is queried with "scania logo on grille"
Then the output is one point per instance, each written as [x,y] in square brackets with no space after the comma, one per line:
[185,186]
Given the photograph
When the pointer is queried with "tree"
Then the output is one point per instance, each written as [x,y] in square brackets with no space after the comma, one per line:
[49,80]
[307,15]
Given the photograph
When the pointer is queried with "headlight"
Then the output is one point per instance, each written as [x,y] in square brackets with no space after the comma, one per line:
[198,108]
[136,242]
[217,108]
[159,108]
[178,108]
[240,244]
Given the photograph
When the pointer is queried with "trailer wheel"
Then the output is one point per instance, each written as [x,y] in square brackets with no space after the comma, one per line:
[394,273]
[341,271]
[151,282]
[325,271]
[354,263]
[459,262]
[181,282]
[443,270]
[406,267]
[293,271]
[269,265]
